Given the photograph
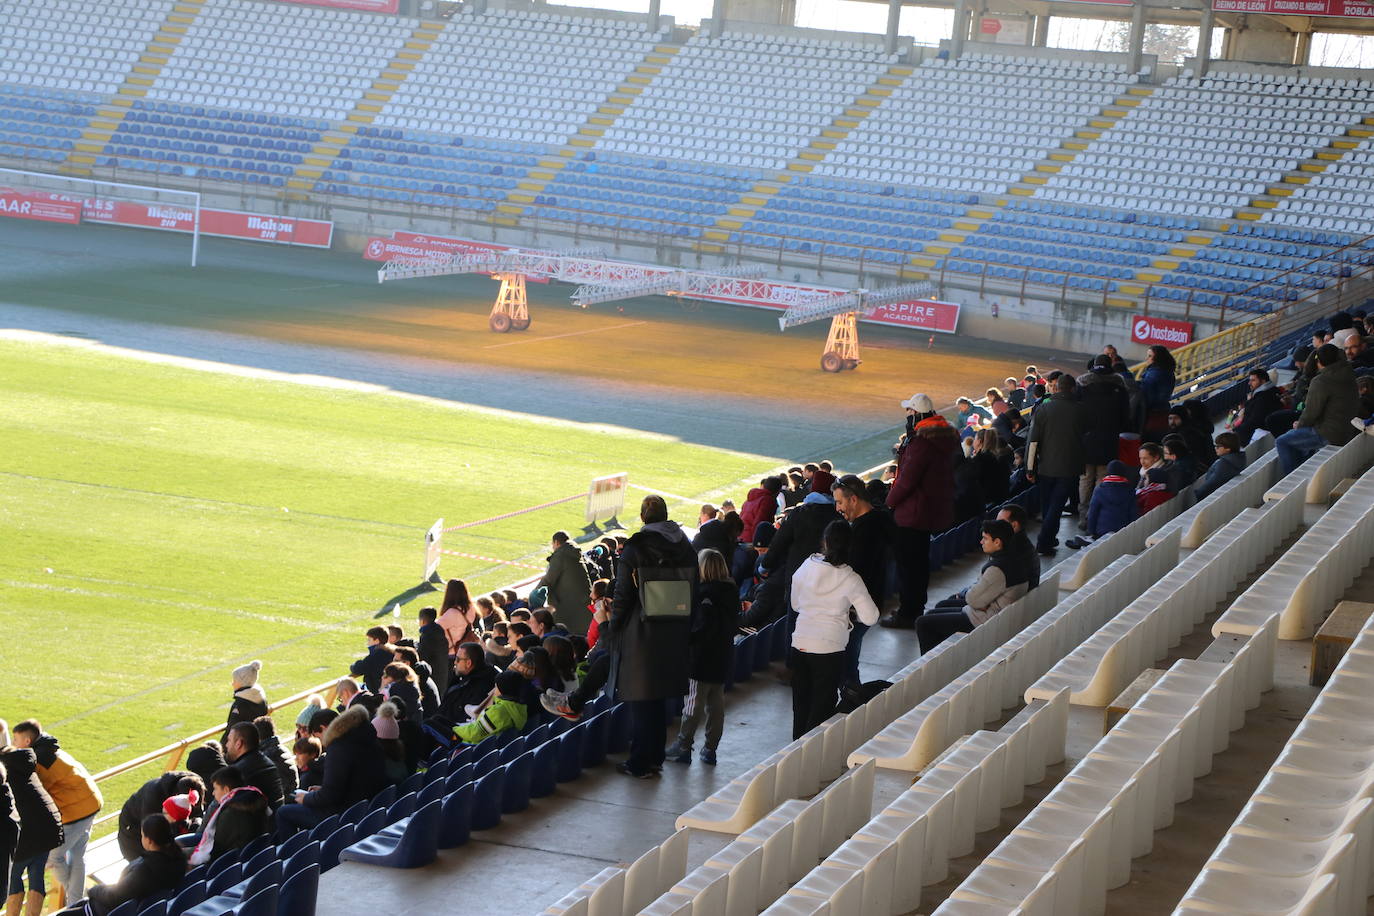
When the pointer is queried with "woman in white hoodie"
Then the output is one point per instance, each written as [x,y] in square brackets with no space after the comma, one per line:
[824,590]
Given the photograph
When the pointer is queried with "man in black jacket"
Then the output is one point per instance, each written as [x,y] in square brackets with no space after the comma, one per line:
[1264,399]
[1057,437]
[870,549]
[272,749]
[148,800]
[433,648]
[649,629]
[797,538]
[242,752]
[371,665]
[1107,414]
[473,682]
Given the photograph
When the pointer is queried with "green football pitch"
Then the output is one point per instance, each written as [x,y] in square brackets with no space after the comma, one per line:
[164,524]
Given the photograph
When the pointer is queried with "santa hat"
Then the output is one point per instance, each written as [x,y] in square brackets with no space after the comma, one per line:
[179,807]
[247,675]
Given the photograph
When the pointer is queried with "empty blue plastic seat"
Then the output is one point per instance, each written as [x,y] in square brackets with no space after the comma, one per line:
[412,842]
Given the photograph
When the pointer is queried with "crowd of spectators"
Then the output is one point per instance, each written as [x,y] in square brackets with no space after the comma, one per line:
[651,618]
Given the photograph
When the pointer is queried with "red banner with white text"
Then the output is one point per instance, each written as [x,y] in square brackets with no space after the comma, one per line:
[1347,9]
[35,205]
[229,224]
[1149,330]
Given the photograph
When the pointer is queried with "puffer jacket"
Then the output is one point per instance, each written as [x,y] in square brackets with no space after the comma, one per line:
[922,496]
[40,826]
[353,766]
[1004,579]
[72,789]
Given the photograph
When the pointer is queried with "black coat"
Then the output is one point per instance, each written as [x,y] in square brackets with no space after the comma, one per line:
[241,819]
[40,826]
[713,632]
[1258,406]
[969,498]
[9,828]
[429,691]
[869,550]
[353,765]
[259,771]
[467,691]
[1107,414]
[712,535]
[1057,433]
[246,707]
[994,475]
[433,650]
[284,760]
[371,666]
[798,537]
[408,696]
[647,657]
[146,800]
[152,873]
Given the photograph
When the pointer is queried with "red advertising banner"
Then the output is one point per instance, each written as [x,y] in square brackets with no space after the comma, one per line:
[367,6]
[1349,9]
[925,314]
[230,224]
[1149,330]
[46,208]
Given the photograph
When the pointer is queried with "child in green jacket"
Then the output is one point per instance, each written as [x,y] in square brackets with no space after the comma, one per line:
[505,712]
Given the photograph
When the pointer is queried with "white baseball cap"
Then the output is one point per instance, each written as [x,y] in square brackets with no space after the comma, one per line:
[920,403]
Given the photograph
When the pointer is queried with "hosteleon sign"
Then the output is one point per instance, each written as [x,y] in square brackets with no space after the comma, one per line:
[1149,330]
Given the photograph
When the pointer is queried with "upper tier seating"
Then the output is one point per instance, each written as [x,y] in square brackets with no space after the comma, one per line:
[553,72]
[781,93]
[1338,199]
[76,45]
[976,124]
[279,58]
[1220,142]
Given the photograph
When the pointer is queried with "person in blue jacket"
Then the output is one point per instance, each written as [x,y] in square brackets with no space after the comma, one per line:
[1230,462]
[1113,505]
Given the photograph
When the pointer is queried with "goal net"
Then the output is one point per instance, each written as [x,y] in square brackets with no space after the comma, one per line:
[50,198]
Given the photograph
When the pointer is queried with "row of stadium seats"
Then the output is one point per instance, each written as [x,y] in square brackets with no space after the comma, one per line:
[50,45]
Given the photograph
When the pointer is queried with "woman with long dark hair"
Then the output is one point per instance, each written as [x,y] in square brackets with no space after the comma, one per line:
[459,615]
[825,591]
[1157,385]
[160,868]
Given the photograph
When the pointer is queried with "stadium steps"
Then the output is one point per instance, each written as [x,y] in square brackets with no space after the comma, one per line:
[839,128]
[974,218]
[1335,150]
[143,74]
[606,114]
[322,155]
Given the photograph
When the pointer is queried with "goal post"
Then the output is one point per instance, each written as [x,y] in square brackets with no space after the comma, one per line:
[47,197]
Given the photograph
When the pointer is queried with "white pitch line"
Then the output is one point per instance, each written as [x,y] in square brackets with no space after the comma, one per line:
[612,327]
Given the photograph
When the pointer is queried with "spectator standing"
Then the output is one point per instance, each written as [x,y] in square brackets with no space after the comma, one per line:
[1332,402]
[371,665]
[1107,414]
[249,699]
[824,591]
[1157,384]
[870,547]
[78,802]
[712,652]
[570,589]
[459,616]
[921,501]
[761,505]
[432,647]
[9,827]
[1057,433]
[651,619]
[40,827]
[799,535]
[720,534]
[1004,579]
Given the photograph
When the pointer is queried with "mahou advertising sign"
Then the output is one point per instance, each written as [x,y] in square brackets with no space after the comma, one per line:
[1150,331]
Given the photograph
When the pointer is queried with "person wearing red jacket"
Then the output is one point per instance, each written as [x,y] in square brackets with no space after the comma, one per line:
[761,505]
[922,502]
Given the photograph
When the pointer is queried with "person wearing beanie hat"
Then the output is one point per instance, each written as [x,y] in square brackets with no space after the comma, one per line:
[821,481]
[1113,505]
[506,711]
[148,799]
[249,699]
[179,808]
[921,501]
[313,704]
[388,731]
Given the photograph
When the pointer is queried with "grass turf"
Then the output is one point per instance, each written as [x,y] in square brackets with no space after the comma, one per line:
[164,524]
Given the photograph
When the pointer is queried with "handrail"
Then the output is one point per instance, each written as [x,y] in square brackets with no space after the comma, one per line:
[943,277]
[175,750]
